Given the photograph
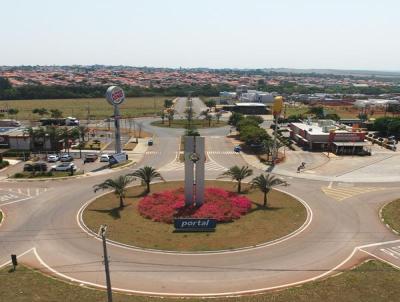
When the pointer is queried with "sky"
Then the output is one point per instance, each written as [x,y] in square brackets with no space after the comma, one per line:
[339,34]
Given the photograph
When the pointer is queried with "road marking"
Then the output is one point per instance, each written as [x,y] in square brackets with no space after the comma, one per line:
[346,192]
[380,258]
[179,166]
[223,152]
[18,256]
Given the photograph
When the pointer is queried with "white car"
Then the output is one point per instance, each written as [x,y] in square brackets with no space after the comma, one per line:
[105,158]
[52,158]
[64,167]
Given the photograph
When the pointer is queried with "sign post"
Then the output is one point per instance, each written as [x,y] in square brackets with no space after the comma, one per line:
[116,96]
[276,111]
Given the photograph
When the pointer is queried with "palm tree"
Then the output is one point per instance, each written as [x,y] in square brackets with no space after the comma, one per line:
[264,183]
[208,118]
[218,116]
[147,175]
[170,116]
[238,174]
[162,115]
[119,185]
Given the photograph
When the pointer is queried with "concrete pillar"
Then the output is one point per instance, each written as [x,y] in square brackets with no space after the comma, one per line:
[189,170]
[200,170]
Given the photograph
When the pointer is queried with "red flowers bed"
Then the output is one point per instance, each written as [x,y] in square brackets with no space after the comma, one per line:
[219,204]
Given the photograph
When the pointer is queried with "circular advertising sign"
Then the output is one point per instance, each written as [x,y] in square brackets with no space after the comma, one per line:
[115,95]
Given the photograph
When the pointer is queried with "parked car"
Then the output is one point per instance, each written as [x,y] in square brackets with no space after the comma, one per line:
[105,158]
[150,142]
[52,158]
[66,158]
[38,166]
[66,166]
[237,149]
[90,157]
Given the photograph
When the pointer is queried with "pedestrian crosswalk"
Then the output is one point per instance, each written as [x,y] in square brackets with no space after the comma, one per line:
[341,193]
[30,192]
[179,166]
[153,152]
[223,152]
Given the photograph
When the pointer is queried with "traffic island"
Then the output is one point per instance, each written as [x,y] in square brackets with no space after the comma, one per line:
[390,215]
[255,225]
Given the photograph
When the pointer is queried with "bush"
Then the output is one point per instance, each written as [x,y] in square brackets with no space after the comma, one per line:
[219,204]
[17,153]
[19,175]
[4,164]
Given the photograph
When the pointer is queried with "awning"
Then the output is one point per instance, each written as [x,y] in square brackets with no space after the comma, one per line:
[351,144]
[301,138]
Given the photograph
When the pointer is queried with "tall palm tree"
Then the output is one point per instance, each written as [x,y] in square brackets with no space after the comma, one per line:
[238,174]
[147,175]
[170,116]
[264,183]
[119,185]
[218,116]
[208,118]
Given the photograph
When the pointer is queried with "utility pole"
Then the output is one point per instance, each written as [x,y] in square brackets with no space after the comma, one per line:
[102,233]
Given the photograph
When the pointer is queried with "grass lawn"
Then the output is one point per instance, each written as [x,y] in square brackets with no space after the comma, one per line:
[342,111]
[283,217]
[198,123]
[391,214]
[99,108]
[372,281]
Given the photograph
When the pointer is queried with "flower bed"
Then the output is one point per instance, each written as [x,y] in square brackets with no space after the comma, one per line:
[222,205]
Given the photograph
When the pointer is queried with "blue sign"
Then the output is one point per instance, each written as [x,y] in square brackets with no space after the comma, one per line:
[195,224]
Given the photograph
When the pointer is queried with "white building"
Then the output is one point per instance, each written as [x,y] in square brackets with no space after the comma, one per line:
[254,96]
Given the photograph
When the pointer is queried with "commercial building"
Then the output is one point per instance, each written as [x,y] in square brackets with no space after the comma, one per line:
[326,135]
[254,96]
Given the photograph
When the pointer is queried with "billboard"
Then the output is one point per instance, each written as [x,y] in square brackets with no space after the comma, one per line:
[346,136]
[195,224]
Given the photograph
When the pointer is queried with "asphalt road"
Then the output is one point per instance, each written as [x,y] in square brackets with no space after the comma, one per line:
[45,218]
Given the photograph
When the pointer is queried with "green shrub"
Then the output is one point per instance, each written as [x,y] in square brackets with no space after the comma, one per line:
[4,164]
[19,175]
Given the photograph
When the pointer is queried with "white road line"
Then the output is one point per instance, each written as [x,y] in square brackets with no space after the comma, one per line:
[28,190]
[379,258]
[44,264]
[379,243]
[37,192]
[18,256]
[15,201]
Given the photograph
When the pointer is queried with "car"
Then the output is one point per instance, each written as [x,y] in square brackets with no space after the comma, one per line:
[273,127]
[52,158]
[150,142]
[90,157]
[66,166]
[66,158]
[35,166]
[105,158]
[237,149]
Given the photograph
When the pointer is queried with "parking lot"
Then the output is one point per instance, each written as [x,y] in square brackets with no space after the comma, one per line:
[78,160]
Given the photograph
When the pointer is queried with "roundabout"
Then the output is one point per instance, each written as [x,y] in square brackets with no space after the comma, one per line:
[44,230]
[285,216]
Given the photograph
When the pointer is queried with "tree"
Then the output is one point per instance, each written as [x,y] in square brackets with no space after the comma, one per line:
[318,111]
[256,118]
[189,115]
[208,118]
[235,118]
[119,185]
[332,116]
[253,134]
[210,103]
[238,174]
[264,183]
[218,116]
[192,132]
[167,103]
[170,116]
[147,175]
[162,115]
[5,84]
[40,111]
[55,113]
[13,111]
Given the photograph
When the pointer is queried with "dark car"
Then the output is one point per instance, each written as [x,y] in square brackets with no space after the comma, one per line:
[150,142]
[38,167]
[90,157]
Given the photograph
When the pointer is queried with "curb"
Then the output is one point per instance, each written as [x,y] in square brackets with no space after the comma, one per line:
[303,227]
[383,220]
[3,217]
